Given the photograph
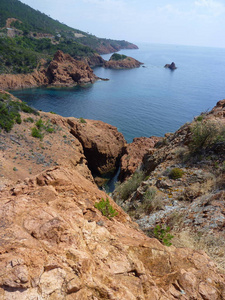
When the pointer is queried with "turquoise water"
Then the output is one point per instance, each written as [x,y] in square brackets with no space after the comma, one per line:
[147,101]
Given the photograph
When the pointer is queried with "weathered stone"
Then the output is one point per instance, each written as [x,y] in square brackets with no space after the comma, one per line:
[134,153]
[102,143]
[63,70]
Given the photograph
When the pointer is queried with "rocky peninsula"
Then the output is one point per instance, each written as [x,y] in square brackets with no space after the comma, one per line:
[56,243]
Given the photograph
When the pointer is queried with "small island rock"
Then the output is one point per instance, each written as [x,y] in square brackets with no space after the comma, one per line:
[171,66]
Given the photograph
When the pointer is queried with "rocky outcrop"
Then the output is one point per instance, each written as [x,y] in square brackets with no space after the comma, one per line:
[103,145]
[66,71]
[56,245]
[63,70]
[133,157]
[192,202]
[126,63]
[171,66]
[72,144]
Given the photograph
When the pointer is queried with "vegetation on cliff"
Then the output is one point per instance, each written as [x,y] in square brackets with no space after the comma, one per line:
[22,54]
[10,111]
[182,185]
[117,56]
[27,35]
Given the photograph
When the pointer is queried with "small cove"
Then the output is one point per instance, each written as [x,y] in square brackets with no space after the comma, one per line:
[146,101]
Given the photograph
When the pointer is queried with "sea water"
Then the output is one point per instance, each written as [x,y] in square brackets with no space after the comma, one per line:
[146,101]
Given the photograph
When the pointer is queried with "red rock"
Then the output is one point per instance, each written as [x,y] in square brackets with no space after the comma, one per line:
[135,152]
[102,143]
[127,63]
[55,250]
[63,70]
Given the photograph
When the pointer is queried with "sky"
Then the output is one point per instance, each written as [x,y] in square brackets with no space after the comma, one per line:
[180,22]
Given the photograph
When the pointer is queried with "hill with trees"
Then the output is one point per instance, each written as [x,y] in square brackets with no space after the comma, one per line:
[27,35]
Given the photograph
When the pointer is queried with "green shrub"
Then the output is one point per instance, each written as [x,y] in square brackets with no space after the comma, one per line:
[39,124]
[163,235]
[149,194]
[50,129]
[35,132]
[205,134]
[30,120]
[200,117]
[117,56]
[38,131]
[81,120]
[176,173]
[10,111]
[27,109]
[125,189]
[106,208]
[18,119]
[151,201]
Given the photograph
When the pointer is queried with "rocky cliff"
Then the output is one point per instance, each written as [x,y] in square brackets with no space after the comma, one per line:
[134,154]
[181,185]
[55,243]
[63,70]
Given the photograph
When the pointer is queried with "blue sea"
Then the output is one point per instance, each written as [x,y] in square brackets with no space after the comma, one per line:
[146,101]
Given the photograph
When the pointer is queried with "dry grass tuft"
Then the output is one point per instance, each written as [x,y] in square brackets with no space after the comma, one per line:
[213,245]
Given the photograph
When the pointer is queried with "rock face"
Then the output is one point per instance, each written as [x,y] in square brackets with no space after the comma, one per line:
[66,71]
[94,60]
[126,63]
[22,81]
[103,145]
[69,145]
[171,66]
[62,71]
[135,152]
[56,245]
[191,204]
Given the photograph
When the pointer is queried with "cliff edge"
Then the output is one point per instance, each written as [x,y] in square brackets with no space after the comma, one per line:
[55,242]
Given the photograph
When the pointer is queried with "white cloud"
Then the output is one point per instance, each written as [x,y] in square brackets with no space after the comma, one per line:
[214,7]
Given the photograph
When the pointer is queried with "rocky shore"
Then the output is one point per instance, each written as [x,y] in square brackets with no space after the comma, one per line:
[63,70]
[56,243]
[180,184]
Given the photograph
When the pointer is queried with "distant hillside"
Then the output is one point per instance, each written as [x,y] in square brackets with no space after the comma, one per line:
[32,19]
[33,22]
